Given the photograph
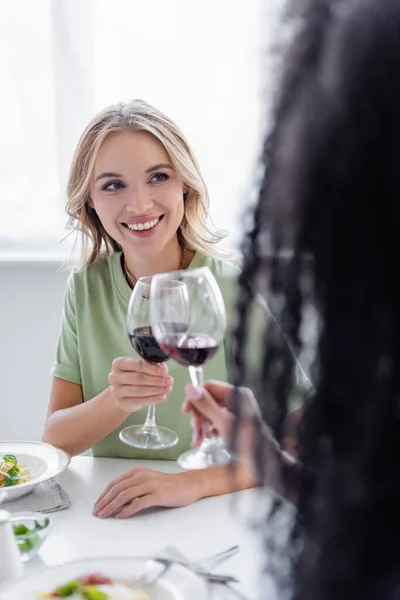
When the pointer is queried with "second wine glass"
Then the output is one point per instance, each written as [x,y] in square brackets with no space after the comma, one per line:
[149,435]
[202,304]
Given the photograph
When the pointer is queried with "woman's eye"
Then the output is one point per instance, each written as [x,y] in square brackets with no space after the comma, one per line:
[159,178]
[113,186]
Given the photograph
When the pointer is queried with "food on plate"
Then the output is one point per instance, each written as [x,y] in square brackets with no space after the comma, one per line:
[12,472]
[27,539]
[96,587]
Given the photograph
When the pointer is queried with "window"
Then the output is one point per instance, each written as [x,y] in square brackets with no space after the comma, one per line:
[63,60]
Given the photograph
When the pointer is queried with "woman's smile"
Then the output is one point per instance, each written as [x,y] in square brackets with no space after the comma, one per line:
[143,226]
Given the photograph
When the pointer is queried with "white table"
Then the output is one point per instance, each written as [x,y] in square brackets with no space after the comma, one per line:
[206,527]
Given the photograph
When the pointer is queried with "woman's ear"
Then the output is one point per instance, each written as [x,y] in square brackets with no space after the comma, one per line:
[90,203]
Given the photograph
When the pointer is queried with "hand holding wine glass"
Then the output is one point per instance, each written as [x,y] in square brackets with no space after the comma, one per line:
[148,435]
[202,304]
[136,383]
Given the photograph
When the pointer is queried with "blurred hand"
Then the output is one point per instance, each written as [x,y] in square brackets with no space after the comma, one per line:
[142,488]
[211,404]
[136,383]
[254,442]
[208,405]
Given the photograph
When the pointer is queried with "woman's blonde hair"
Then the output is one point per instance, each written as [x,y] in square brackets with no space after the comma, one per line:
[136,115]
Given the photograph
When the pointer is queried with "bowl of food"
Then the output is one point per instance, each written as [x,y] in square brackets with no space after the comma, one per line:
[30,531]
[24,465]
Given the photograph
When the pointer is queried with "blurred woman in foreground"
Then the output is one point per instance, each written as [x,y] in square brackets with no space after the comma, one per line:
[330,196]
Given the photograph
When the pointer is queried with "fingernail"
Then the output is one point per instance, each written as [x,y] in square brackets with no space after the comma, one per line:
[168,381]
[162,368]
[195,393]
[162,398]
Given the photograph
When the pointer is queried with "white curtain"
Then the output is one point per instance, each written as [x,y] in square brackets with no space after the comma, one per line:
[63,60]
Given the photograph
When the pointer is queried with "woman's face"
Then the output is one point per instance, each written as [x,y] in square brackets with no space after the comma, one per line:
[136,193]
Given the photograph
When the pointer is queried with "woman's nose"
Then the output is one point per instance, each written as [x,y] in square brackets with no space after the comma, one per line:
[139,202]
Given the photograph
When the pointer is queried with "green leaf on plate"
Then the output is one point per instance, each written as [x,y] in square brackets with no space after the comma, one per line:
[91,592]
[11,477]
[68,589]
[10,458]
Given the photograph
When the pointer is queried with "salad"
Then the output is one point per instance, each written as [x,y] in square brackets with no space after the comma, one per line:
[28,539]
[95,587]
[12,472]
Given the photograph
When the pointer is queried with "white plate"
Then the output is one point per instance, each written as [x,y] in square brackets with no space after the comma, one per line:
[177,583]
[43,461]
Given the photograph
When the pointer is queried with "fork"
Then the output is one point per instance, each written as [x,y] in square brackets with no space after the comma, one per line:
[157,566]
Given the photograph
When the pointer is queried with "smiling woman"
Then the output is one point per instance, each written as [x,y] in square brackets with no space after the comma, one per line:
[138,201]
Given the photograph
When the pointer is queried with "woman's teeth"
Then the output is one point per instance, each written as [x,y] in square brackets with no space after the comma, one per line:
[141,226]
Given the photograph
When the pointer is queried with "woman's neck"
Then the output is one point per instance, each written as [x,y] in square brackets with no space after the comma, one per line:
[169,259]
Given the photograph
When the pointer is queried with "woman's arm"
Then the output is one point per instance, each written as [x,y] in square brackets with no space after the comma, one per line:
[75,425]
[219,480]
[141,488]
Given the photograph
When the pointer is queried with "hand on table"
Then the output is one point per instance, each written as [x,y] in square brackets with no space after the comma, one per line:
[136,383]
[142,488]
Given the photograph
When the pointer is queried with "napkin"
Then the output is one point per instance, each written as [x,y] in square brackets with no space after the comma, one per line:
[46,497]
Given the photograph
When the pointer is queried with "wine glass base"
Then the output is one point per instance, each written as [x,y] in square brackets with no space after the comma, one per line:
[148,439]
[201,458]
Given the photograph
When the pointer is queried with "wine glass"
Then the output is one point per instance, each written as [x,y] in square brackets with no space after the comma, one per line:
[193,346]
[149,435]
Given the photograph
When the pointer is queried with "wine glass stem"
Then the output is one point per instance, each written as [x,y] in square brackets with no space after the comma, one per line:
[150,422]
[197,377]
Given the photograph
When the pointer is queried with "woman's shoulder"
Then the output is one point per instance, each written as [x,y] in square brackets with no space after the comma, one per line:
[222,269]
[226,274]
[95,276]
[98,270]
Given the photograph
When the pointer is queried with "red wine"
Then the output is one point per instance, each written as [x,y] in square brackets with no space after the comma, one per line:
[145,344]
[189,349]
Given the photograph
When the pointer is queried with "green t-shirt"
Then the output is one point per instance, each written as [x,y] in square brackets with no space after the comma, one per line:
[93,333]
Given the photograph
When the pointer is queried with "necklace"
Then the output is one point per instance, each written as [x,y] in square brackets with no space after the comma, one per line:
[132,279]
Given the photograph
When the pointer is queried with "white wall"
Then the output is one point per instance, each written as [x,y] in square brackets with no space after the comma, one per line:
[31,298]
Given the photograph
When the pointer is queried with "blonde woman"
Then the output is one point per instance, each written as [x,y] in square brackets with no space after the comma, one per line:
[138,201]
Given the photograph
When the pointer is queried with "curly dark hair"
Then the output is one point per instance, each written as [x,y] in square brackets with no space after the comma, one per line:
[330,202]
